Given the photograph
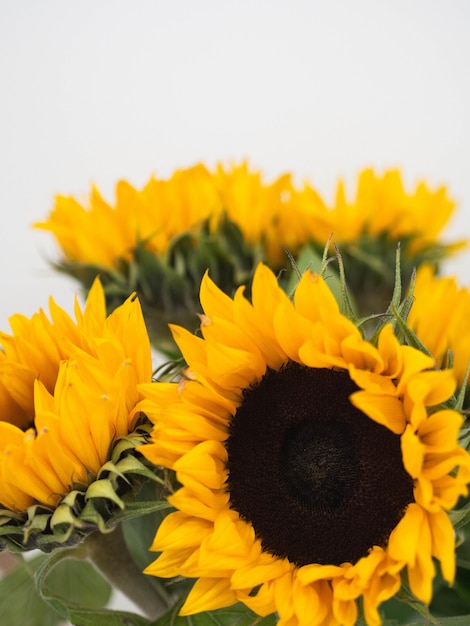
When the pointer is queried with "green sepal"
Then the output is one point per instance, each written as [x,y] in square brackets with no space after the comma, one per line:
[103,489]
[127,443]
[168,284]
[88,611]
[409,335]
[460,396]
[346,304]
[310,259]
[109,498]
[130,465]
[368,259]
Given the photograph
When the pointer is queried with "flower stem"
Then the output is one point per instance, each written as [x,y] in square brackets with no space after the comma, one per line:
[110,554]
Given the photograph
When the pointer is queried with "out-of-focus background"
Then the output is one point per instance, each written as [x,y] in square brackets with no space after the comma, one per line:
[97,90]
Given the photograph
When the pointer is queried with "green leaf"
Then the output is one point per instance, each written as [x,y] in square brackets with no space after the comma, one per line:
[106,617]
[78,593]
[236,615]
[75,581]
[24,606]
[65,578]
[78,582]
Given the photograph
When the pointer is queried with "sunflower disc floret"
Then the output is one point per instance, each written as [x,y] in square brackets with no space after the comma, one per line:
[310,460]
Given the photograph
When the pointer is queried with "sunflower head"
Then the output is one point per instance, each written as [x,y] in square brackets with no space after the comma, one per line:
[69,404]
[369,227]
[309,460]
[159,240]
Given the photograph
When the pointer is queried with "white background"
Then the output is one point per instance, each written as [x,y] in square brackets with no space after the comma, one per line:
[97,90]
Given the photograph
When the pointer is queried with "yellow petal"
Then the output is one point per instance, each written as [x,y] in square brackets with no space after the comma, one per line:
[413,451]
[440,431]
[383,409]
[443,543]
[208,594]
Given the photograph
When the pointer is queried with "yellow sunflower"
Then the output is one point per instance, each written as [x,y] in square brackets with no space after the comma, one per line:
[368,227]
[315,468]
[158,241]
[279,215]
[68,390]
[383,206]
[440,317]
[267,213]
[101,234]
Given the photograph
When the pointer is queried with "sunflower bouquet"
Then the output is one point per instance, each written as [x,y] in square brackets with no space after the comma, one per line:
[298,455]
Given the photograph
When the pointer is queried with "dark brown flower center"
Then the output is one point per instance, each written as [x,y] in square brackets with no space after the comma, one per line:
[319,480]
[319,464]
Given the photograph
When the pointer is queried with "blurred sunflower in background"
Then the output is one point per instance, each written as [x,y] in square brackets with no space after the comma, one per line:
[159,241]
[316,469]
[368,228]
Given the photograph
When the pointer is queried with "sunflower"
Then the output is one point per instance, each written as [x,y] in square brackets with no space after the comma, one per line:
[159,240]
[101,234]
[382,205]
[310,461]
[382,215]
[440,316]
[279,214]
[68,391]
